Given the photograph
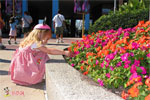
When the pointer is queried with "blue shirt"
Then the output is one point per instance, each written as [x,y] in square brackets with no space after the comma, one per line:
[13,25]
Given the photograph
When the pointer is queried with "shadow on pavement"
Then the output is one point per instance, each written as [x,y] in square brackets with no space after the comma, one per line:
[59,44]
[36,86]
[5,61]
[10,49]
[56,61]
[3,72]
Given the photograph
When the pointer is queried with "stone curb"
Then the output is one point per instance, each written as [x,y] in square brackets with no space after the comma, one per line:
[63,82]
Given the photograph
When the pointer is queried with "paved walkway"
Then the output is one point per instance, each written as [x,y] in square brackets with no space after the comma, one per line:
[17,92]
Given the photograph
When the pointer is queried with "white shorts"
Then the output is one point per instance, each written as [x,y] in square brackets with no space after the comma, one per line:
[0,32]
[13,32]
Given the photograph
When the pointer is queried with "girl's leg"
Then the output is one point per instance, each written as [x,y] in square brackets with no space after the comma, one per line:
[9,41]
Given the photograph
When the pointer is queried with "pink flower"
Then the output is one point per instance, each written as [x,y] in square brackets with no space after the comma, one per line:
[148,55]
[135,45]
[124,57]
[111,68]
[108,75]
[119,64]
[128,62]
[107,64]
[76,53]
[72,65]
[111,56]
[96,45]
[137,63]
[97,62]
[133,69]
[132,54]
[143,70]
[100,82]
[126,34]
[135,75]
[102,64]
[126,66]
[88,46]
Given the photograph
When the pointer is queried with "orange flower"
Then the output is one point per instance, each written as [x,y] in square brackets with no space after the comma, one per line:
[129,83]
[124,95]
[147,82]
[147,97]
[105,47]
[133,92]
[113,47]
[89,54]
[106,52]
[99,53]
[137,84]
[75,49]
[109,43]
[125,40]
[69,49]
[82,68]
[119,42]
[130,46]
[137,79]
[148,29]
[98,49]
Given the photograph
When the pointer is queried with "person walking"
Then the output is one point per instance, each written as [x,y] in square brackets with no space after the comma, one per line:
[2,24]
[13,30]
[58,22]
[26,22]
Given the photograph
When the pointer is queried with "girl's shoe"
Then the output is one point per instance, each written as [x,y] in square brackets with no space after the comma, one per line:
[9,42]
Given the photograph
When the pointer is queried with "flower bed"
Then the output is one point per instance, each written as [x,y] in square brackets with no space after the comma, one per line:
[117,58]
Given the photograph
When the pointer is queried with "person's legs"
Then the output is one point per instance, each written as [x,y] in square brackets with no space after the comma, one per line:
[25,31]
[61,34]
[1,45]
[9,41]
[15,39]
[0,37]
[57,34]
[0,41]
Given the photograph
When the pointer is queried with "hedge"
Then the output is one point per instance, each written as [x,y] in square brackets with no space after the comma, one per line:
[119,19]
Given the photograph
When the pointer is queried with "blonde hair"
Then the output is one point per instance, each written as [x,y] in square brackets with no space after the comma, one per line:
[35,36]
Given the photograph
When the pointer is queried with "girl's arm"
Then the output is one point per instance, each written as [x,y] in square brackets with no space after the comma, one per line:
[53,51]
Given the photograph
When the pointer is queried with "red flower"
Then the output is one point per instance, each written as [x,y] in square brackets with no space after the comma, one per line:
[85,73]
[124,95]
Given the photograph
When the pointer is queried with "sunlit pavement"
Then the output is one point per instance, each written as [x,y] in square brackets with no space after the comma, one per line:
[17,92]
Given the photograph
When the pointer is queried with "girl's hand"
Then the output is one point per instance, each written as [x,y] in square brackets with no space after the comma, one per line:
[67,53]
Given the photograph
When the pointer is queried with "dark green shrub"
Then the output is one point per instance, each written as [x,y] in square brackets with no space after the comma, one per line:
[119,19]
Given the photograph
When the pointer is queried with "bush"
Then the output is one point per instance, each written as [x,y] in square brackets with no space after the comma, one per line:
[119,19]
[116,58]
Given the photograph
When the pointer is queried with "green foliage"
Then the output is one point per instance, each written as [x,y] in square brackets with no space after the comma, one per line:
[132,5]
[119,19]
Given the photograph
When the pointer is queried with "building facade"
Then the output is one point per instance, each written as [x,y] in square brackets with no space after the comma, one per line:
[48,8]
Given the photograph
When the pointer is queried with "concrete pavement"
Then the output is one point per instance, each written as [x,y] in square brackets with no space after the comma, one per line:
[17,92]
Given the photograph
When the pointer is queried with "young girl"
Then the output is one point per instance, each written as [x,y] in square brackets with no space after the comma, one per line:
[13,30]
[28,63]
